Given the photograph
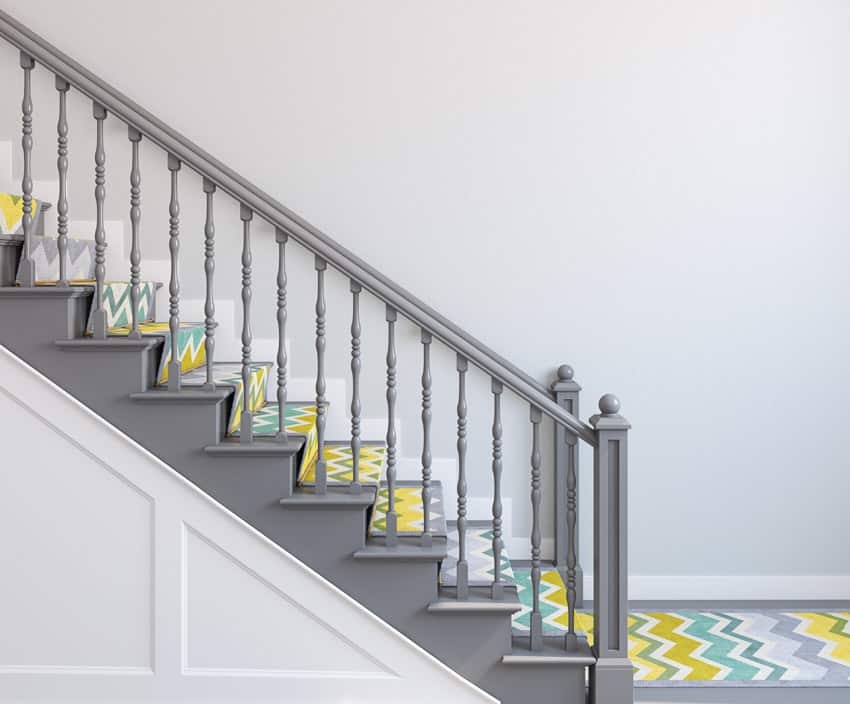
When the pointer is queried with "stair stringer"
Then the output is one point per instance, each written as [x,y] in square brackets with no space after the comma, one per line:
[165,594]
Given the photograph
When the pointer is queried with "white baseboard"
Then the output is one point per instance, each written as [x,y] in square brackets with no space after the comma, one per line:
[743,587]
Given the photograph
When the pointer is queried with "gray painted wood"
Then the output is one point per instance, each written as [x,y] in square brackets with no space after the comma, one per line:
[462,563]
[321,383]
[135,216]
[426,437]
[497,590]
[267,207]
[281,238]
[611,677]
[209,279]
[536,626]
[356,330]
[246,429]
[566,391]
[174,372]
[392,360]
[99,315]
[62,86]
[27,267]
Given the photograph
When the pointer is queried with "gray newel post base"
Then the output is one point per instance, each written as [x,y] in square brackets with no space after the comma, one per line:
[611,678]
[566,391]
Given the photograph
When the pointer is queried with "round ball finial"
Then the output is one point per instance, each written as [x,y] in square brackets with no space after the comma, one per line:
[609,404]
[565,373]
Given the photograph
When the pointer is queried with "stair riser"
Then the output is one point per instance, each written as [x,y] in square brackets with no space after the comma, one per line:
[323,538]
[540,684]
[27,323]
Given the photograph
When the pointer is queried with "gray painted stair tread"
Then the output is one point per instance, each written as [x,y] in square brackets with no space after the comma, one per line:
[261,447]
[84,344]
[335,498]
[478,601]
[192,396]
[376,549]
[20,293]
[552,653]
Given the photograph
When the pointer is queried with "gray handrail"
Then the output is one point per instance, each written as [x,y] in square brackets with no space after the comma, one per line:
[181,148]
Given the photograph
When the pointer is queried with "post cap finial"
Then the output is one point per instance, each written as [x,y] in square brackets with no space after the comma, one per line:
[609,405]
[565,373]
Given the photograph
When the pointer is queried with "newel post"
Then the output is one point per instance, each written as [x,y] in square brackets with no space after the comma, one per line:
[566,390]
[611,679]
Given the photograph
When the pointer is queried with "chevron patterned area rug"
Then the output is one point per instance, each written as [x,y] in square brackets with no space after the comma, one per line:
[712,648]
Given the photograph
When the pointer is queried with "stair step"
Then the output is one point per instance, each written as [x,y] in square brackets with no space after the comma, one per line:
[552,653]
[190,344]
[479,556]
[261,447]
[479,601]
[409,510]
[376,549]
[338,458]
[230,374]
[335,498]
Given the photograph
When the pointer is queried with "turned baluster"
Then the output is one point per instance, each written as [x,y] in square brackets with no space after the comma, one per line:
[536,634]
[99,315]
[281,238]
[135,216]
[497,590]
[392,359]
[174,371]
[462,564]
[356,288]
[209,276]
[62,86]
[321,384]
[246,430]
[27,267]
[426,438]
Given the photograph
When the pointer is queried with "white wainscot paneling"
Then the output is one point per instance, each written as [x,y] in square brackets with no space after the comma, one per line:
[122,582]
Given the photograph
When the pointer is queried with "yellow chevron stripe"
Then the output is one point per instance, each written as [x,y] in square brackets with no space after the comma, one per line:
[682,647]
[836,646]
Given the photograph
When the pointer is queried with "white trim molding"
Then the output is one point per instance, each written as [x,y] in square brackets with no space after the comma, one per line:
[129,584]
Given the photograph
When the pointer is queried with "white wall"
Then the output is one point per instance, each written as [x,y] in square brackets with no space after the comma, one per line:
[654,192]
[124,582]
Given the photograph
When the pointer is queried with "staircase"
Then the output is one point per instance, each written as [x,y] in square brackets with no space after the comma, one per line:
[336,503]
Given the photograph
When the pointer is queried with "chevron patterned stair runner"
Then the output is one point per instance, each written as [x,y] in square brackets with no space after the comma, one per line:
[339,465]
[479,556]
[230,374]
[12,214]
[190,344]
[716,648]
[409,509]
[80,265]
[118,306]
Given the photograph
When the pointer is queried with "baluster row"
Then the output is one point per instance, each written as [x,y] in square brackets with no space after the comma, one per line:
[566,534]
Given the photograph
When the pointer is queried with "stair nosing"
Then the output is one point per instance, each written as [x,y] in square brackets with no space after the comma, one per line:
[332,500]
[187,395]
[260,447]
[119,344]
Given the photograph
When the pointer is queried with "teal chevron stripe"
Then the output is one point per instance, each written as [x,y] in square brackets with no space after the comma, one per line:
[751,651]
[719,651]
